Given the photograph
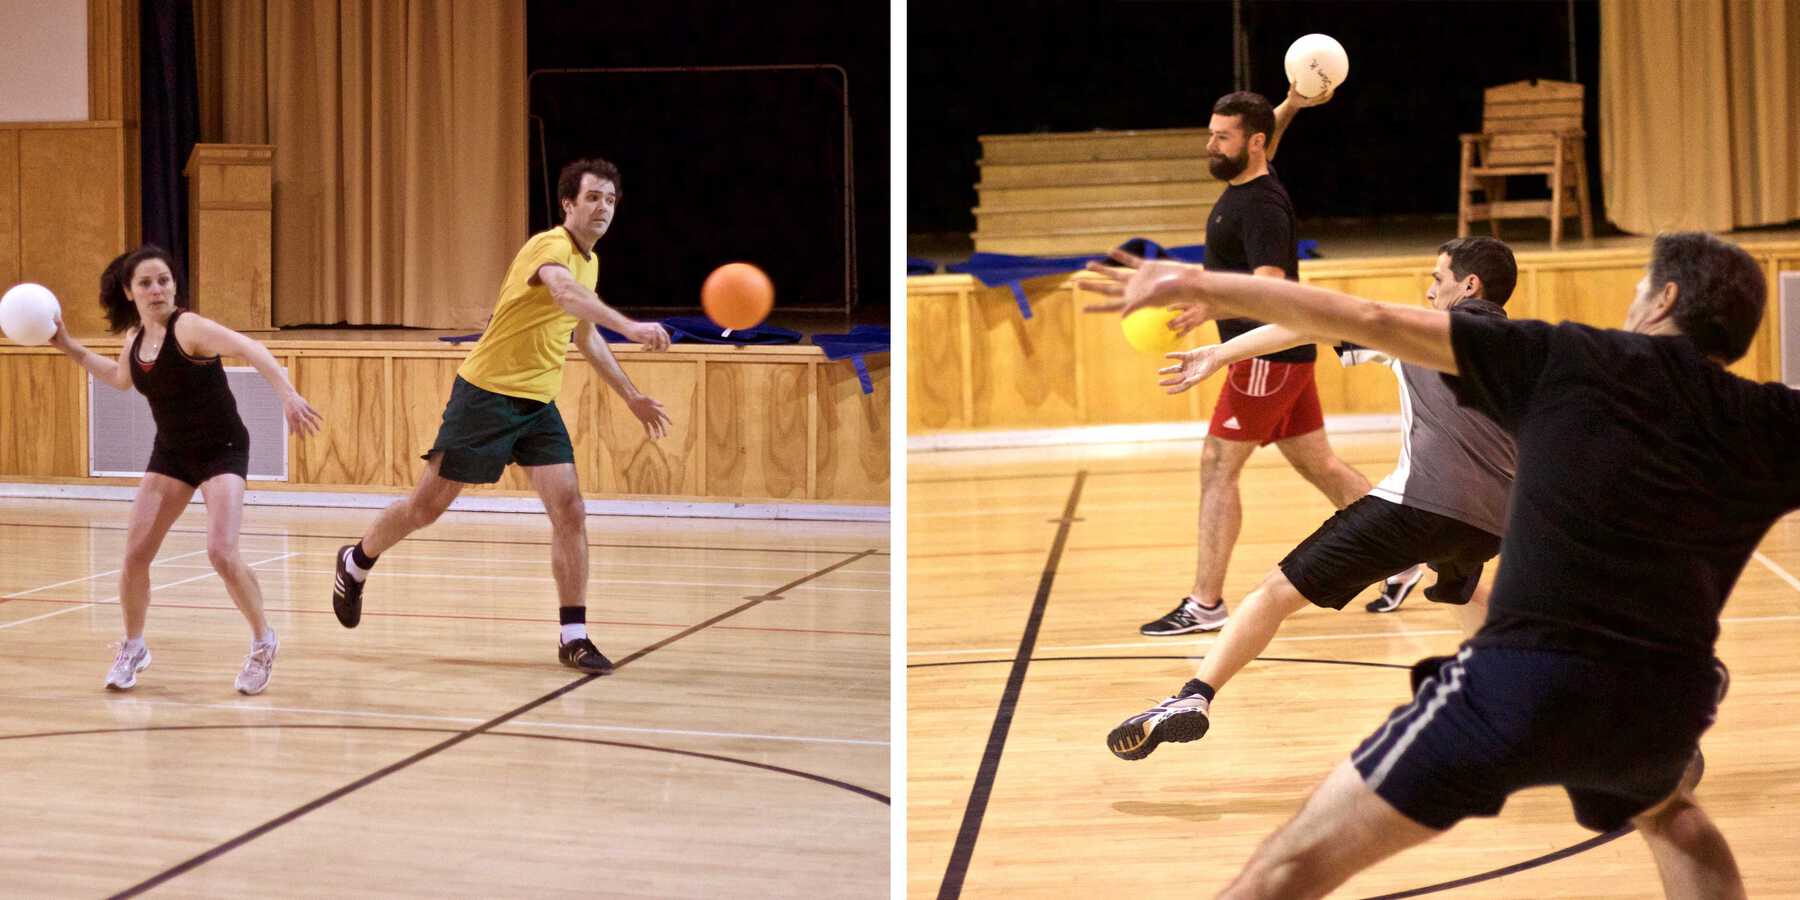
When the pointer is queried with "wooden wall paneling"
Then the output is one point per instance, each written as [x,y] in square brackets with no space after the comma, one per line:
[698,426]
[756,430]
[1592,295]
[612,452]
[812,430]
[853,446]
[390,453]
[40,397]
[936,376]
[230,191]
[965,332]
[348,448]
[9,206]
[421,388]
[70,227]
[1118,384]
[112,60]
[1023,370]
[286,361]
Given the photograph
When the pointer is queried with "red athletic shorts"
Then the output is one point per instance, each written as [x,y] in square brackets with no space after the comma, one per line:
[1266,401]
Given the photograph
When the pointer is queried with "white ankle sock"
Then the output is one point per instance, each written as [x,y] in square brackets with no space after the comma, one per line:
[133,645]
[573,633]
[1202,603]
[357,572]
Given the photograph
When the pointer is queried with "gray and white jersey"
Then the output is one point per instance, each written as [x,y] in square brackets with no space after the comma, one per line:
[1454,461]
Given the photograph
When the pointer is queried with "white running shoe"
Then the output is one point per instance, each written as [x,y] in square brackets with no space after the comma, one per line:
[123,674]
[258,666]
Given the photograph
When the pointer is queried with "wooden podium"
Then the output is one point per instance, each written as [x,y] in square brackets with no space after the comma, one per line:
[230,231]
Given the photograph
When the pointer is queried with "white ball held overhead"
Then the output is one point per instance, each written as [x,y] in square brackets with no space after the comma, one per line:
[1317,64]
[28,314]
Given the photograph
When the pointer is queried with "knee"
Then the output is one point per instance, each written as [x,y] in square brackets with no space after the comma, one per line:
[1215,467]
[568,514]
[223,554]
[424,511]
[1676,820]
[138,557]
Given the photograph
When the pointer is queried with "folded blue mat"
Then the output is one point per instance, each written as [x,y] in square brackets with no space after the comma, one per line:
[996,269]
[860,341]
[917,266]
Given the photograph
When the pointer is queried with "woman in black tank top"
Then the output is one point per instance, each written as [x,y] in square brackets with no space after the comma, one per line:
[173,357]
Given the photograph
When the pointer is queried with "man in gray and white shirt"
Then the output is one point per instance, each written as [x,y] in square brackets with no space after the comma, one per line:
[1444,503]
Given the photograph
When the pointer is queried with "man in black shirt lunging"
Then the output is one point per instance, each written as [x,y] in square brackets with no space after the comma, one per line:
[1270,399]
[1647,475]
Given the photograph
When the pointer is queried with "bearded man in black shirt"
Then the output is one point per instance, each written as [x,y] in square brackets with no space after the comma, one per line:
[1270,399]
[1647,475]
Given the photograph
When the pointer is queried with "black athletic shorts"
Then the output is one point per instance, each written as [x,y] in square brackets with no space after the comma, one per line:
[483,431]
[1617,736]
[1373,538]
[194,466]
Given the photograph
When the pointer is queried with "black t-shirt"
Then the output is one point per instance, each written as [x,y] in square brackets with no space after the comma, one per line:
[1647,476]
[1253,225]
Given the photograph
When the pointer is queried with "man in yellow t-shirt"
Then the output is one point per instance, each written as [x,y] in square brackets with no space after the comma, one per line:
[503,404]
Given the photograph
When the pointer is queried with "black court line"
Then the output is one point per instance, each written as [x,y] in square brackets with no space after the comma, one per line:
[308,726]
[1294,659]
[958,868]
[415,539]
[1501,872]
[354,786]
[1533,863]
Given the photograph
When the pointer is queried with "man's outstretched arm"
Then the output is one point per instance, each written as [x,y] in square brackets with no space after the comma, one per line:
[1413,334]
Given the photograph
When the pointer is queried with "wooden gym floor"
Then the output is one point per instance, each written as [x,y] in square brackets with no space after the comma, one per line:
[1098,540]
[741,749]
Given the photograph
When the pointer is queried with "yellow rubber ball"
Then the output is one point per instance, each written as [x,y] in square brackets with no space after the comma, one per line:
[1147,330]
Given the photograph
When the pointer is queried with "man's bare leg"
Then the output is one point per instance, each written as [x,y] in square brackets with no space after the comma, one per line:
[1342,829]
[1310,454]
[1690,851]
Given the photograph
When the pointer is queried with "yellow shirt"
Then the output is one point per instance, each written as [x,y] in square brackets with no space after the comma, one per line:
[521,353]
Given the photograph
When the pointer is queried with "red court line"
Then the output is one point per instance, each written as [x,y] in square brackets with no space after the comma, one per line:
[402,615]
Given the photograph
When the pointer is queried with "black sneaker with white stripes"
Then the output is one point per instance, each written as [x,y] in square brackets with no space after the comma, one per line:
[582,654]
[1187,617]
[1395,590]
[1178,719]
[346,592]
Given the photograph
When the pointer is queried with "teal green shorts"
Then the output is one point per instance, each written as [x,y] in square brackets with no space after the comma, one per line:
[483,431]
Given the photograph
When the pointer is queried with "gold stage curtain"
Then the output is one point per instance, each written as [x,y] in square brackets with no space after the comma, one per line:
[399,135]
[1700,113]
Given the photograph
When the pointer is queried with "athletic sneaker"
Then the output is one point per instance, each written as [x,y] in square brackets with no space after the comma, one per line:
[1187,617]
[582,654]
[123,674]
[258,666]
[1395,589]
[346,592]
[1179,719]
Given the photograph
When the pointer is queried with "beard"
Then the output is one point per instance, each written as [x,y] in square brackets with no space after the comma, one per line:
[1225,168]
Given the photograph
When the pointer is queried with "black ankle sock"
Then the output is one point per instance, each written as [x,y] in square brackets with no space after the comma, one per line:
[573,615]
[1196,686]
[362,560]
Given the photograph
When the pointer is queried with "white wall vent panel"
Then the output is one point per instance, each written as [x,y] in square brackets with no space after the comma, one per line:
[120,429]
[1789,323]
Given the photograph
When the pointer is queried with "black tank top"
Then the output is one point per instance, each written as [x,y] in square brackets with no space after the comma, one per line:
[189,399]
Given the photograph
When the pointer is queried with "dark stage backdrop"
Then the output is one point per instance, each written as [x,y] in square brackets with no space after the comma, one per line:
[1385,146]
[720,166]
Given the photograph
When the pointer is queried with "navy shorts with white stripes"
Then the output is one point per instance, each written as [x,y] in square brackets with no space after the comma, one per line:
[1617,736]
